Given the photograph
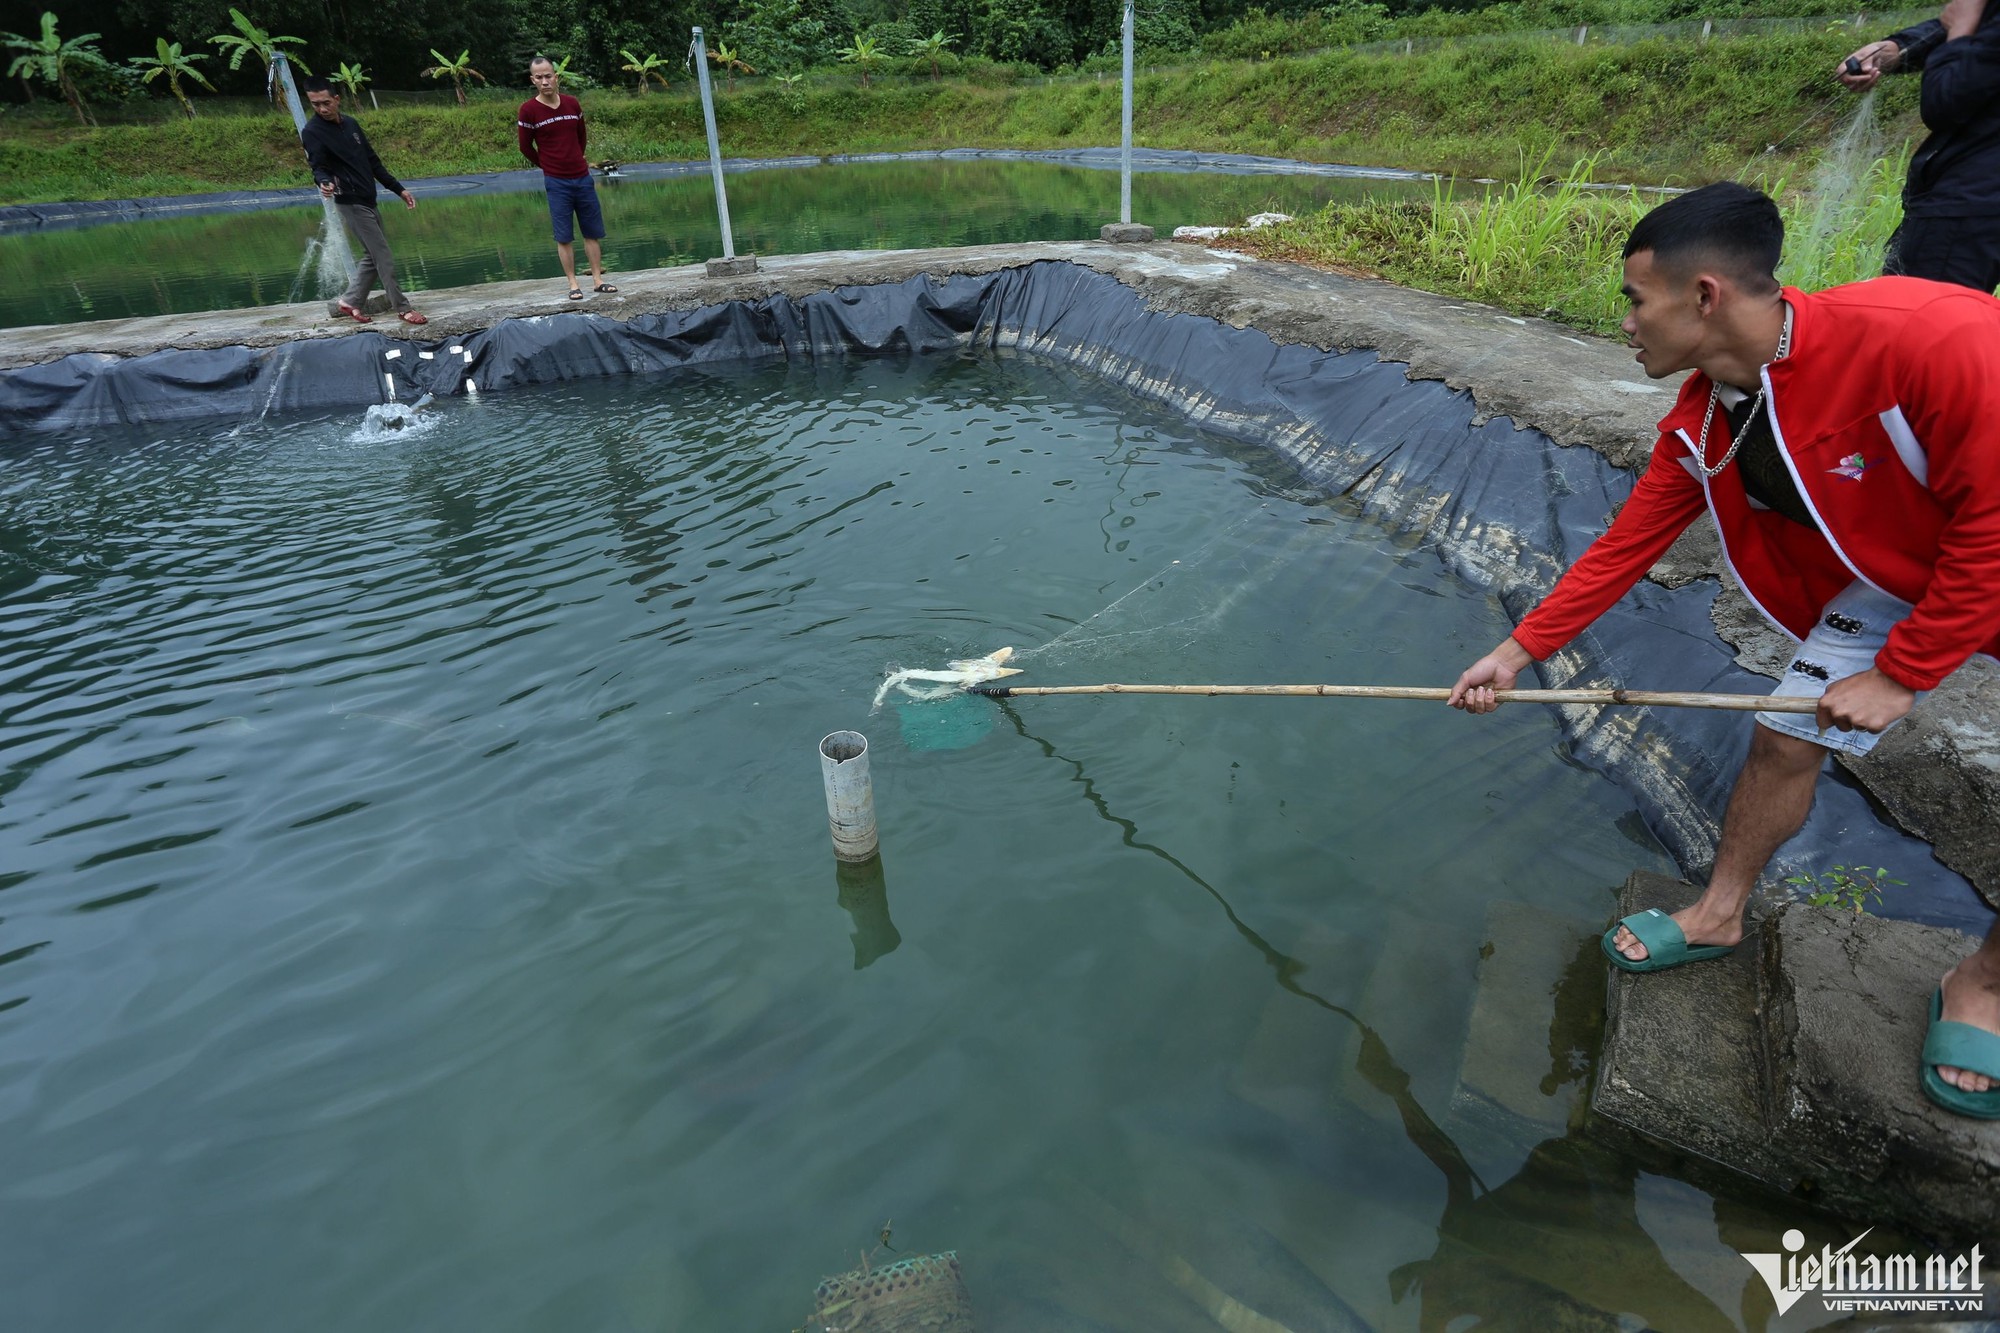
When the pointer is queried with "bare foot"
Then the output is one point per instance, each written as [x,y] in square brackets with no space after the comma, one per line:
[1972,997]
[1699,925]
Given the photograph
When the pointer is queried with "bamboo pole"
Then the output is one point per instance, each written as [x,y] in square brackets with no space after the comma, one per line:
[1741,703]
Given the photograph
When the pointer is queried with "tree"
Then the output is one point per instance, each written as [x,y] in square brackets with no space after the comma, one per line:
[249,39]
[931,48]
[725,55]
[174,65]
[863,55]
[53,60]
[648,67]
[458,71]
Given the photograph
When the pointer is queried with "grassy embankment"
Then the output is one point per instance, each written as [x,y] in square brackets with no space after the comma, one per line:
[1661,111]
[1553,250]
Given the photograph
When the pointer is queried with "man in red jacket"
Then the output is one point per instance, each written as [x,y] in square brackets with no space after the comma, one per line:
[1847,445]
[550,129]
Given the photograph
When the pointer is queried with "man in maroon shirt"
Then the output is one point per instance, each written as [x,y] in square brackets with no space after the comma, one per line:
[552,136]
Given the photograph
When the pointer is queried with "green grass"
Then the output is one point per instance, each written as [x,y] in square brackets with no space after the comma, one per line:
[1553,250]
[1659,111]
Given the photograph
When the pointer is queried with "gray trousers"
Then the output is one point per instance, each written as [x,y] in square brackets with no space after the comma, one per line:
[376,263]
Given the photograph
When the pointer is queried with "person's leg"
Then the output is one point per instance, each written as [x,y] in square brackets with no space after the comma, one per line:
[1972,996]
[590,221]
[1772,796]
[385,266]
[355,218]
[1774,792]
[1962,251]
[561,222]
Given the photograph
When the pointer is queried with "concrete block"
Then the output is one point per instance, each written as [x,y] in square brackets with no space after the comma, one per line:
[1680,1062]
[1125,233]
[1847,1005]
[731,268]
[1795,1062]
[1536,1020]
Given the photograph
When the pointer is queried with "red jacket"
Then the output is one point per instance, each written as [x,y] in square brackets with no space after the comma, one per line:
[1887,412]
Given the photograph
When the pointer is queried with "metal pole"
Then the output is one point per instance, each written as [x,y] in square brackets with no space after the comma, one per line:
[1125,135]
[714,149]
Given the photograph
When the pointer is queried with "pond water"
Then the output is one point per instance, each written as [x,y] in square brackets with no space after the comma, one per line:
[419,910]
[237,260]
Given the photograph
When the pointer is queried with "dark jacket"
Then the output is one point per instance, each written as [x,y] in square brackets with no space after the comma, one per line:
[1956,171]
[340,152]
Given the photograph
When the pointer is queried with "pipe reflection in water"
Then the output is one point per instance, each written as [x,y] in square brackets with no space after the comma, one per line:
[864,895]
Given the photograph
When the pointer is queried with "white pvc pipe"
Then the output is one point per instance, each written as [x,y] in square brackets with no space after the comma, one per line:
[850,798]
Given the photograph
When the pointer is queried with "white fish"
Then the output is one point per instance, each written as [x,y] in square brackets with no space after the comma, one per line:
[956,676]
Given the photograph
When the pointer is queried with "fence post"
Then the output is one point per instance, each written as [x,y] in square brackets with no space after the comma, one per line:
[1580,33]
[1707,25]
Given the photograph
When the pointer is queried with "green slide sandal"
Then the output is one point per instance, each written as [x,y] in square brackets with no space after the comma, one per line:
[1665,945]
[1961,1046]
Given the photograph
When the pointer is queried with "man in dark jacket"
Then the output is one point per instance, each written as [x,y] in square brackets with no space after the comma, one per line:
[1951,201]
[347,169]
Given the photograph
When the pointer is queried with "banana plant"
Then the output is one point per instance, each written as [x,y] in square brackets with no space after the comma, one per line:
[249,39]
[50,58]
[458,71]
[644,67]
[174,66]
[864,55]
[932,48]
[725,55]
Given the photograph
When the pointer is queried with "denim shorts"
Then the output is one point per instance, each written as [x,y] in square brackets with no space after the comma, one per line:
[578,196]
[1850,632]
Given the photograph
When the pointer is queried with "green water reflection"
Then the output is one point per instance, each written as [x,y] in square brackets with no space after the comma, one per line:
[169,265]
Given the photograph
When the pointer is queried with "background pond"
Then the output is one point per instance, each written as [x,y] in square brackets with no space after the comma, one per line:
[226,261]
[419,912]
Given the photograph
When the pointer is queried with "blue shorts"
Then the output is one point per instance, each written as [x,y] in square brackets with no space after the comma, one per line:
[1850,632]
[574,196]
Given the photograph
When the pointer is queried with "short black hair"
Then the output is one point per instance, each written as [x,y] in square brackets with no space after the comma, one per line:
[1732,226]
[541,60]
[316,84]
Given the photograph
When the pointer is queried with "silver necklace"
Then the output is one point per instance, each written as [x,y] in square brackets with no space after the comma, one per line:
[1715,396]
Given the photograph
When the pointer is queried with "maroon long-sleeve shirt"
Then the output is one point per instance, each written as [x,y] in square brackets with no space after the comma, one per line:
[553,137]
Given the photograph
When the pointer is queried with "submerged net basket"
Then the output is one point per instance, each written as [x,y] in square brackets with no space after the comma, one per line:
[917,1295]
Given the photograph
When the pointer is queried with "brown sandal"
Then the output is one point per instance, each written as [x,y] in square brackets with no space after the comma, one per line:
[411,317]
[358,316]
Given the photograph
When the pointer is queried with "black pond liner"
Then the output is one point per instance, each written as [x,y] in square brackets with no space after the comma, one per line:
[1505,509]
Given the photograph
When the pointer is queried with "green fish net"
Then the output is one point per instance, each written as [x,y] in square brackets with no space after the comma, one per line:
[916,1295]
[945,724]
